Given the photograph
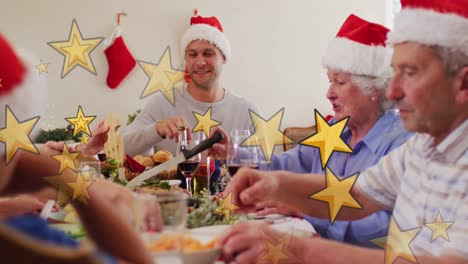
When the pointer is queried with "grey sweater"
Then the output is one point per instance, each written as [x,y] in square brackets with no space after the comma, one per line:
[141,137]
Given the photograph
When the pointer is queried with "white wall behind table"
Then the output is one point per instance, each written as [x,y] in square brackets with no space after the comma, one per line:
[277,47]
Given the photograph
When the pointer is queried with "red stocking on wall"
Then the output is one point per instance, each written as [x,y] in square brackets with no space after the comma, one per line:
[121,62]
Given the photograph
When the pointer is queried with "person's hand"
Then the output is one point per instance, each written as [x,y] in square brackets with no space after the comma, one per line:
[272,207]
[219,150]
[97,140]
[170,127]
[95,143]
[250,187]
[122,200]
[246,242]
[52,146]
[20,205]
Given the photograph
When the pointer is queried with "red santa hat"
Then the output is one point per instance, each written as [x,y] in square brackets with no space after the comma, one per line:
[359,48]
[432,22]
[23,90]
[12,70]
[209,29]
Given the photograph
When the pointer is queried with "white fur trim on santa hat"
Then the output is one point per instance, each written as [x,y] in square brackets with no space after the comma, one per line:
[209,33]
[28,99]
[430,28]
[353,57]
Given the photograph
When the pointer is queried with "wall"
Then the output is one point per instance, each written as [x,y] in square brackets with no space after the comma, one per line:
[277,47]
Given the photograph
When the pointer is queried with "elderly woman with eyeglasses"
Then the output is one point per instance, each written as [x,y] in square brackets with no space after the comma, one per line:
[358,69]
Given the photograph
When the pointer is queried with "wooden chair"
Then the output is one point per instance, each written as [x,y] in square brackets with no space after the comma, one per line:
[16,247]
[297,134]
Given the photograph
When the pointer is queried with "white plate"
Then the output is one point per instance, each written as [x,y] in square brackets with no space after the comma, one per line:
[213,231]
[207,256]
[57,216]
[173,182]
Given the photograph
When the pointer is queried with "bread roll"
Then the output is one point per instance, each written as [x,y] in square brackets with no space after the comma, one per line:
[162,156]
[138,158]
[144,161]
[147,162]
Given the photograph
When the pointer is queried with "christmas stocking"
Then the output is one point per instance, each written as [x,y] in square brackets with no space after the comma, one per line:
[120,60]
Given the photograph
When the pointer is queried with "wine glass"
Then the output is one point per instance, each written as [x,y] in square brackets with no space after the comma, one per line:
[160,220]
[238,155]
[189,167]
[201,177]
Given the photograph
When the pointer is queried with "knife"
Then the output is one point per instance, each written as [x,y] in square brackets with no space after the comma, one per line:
[181,157]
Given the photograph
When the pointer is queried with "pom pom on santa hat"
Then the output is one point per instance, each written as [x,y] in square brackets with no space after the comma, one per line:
[209,29]
[359,48]
[432,22]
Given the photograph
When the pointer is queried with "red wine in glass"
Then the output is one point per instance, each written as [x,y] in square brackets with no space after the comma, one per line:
[235,167]
[101,156]
[188,168]
[201,178]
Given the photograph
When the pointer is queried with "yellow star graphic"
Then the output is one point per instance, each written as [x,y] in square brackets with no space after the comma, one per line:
[76,50]
[162,77]
[327,138]
[15,135]
[396,244]
[66,159]
[80,187]
[204,122]
[84,139]
[227,202]
[176,78]
[80,122]
[42,67]
[337,194]
[267,134]
[439,228]
[278,252]
[275,253]
[59,182]
[62,197]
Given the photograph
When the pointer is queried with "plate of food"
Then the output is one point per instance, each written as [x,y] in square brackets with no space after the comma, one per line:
[198,248]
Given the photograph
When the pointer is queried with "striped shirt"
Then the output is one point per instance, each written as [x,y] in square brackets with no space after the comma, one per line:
[416,181]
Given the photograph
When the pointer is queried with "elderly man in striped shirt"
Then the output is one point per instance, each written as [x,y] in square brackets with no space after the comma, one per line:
[424,182]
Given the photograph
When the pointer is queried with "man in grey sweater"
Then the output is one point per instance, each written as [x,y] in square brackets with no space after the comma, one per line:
[206,49]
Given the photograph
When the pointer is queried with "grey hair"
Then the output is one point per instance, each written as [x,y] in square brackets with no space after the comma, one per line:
[369,84]
[453,59]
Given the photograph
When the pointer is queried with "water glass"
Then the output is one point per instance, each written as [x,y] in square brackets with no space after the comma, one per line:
[90,169]
[161,221]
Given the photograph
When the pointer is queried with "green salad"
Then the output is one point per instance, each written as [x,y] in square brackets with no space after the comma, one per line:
[211,211]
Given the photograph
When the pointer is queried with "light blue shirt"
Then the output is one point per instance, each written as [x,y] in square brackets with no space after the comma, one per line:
[387,134]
